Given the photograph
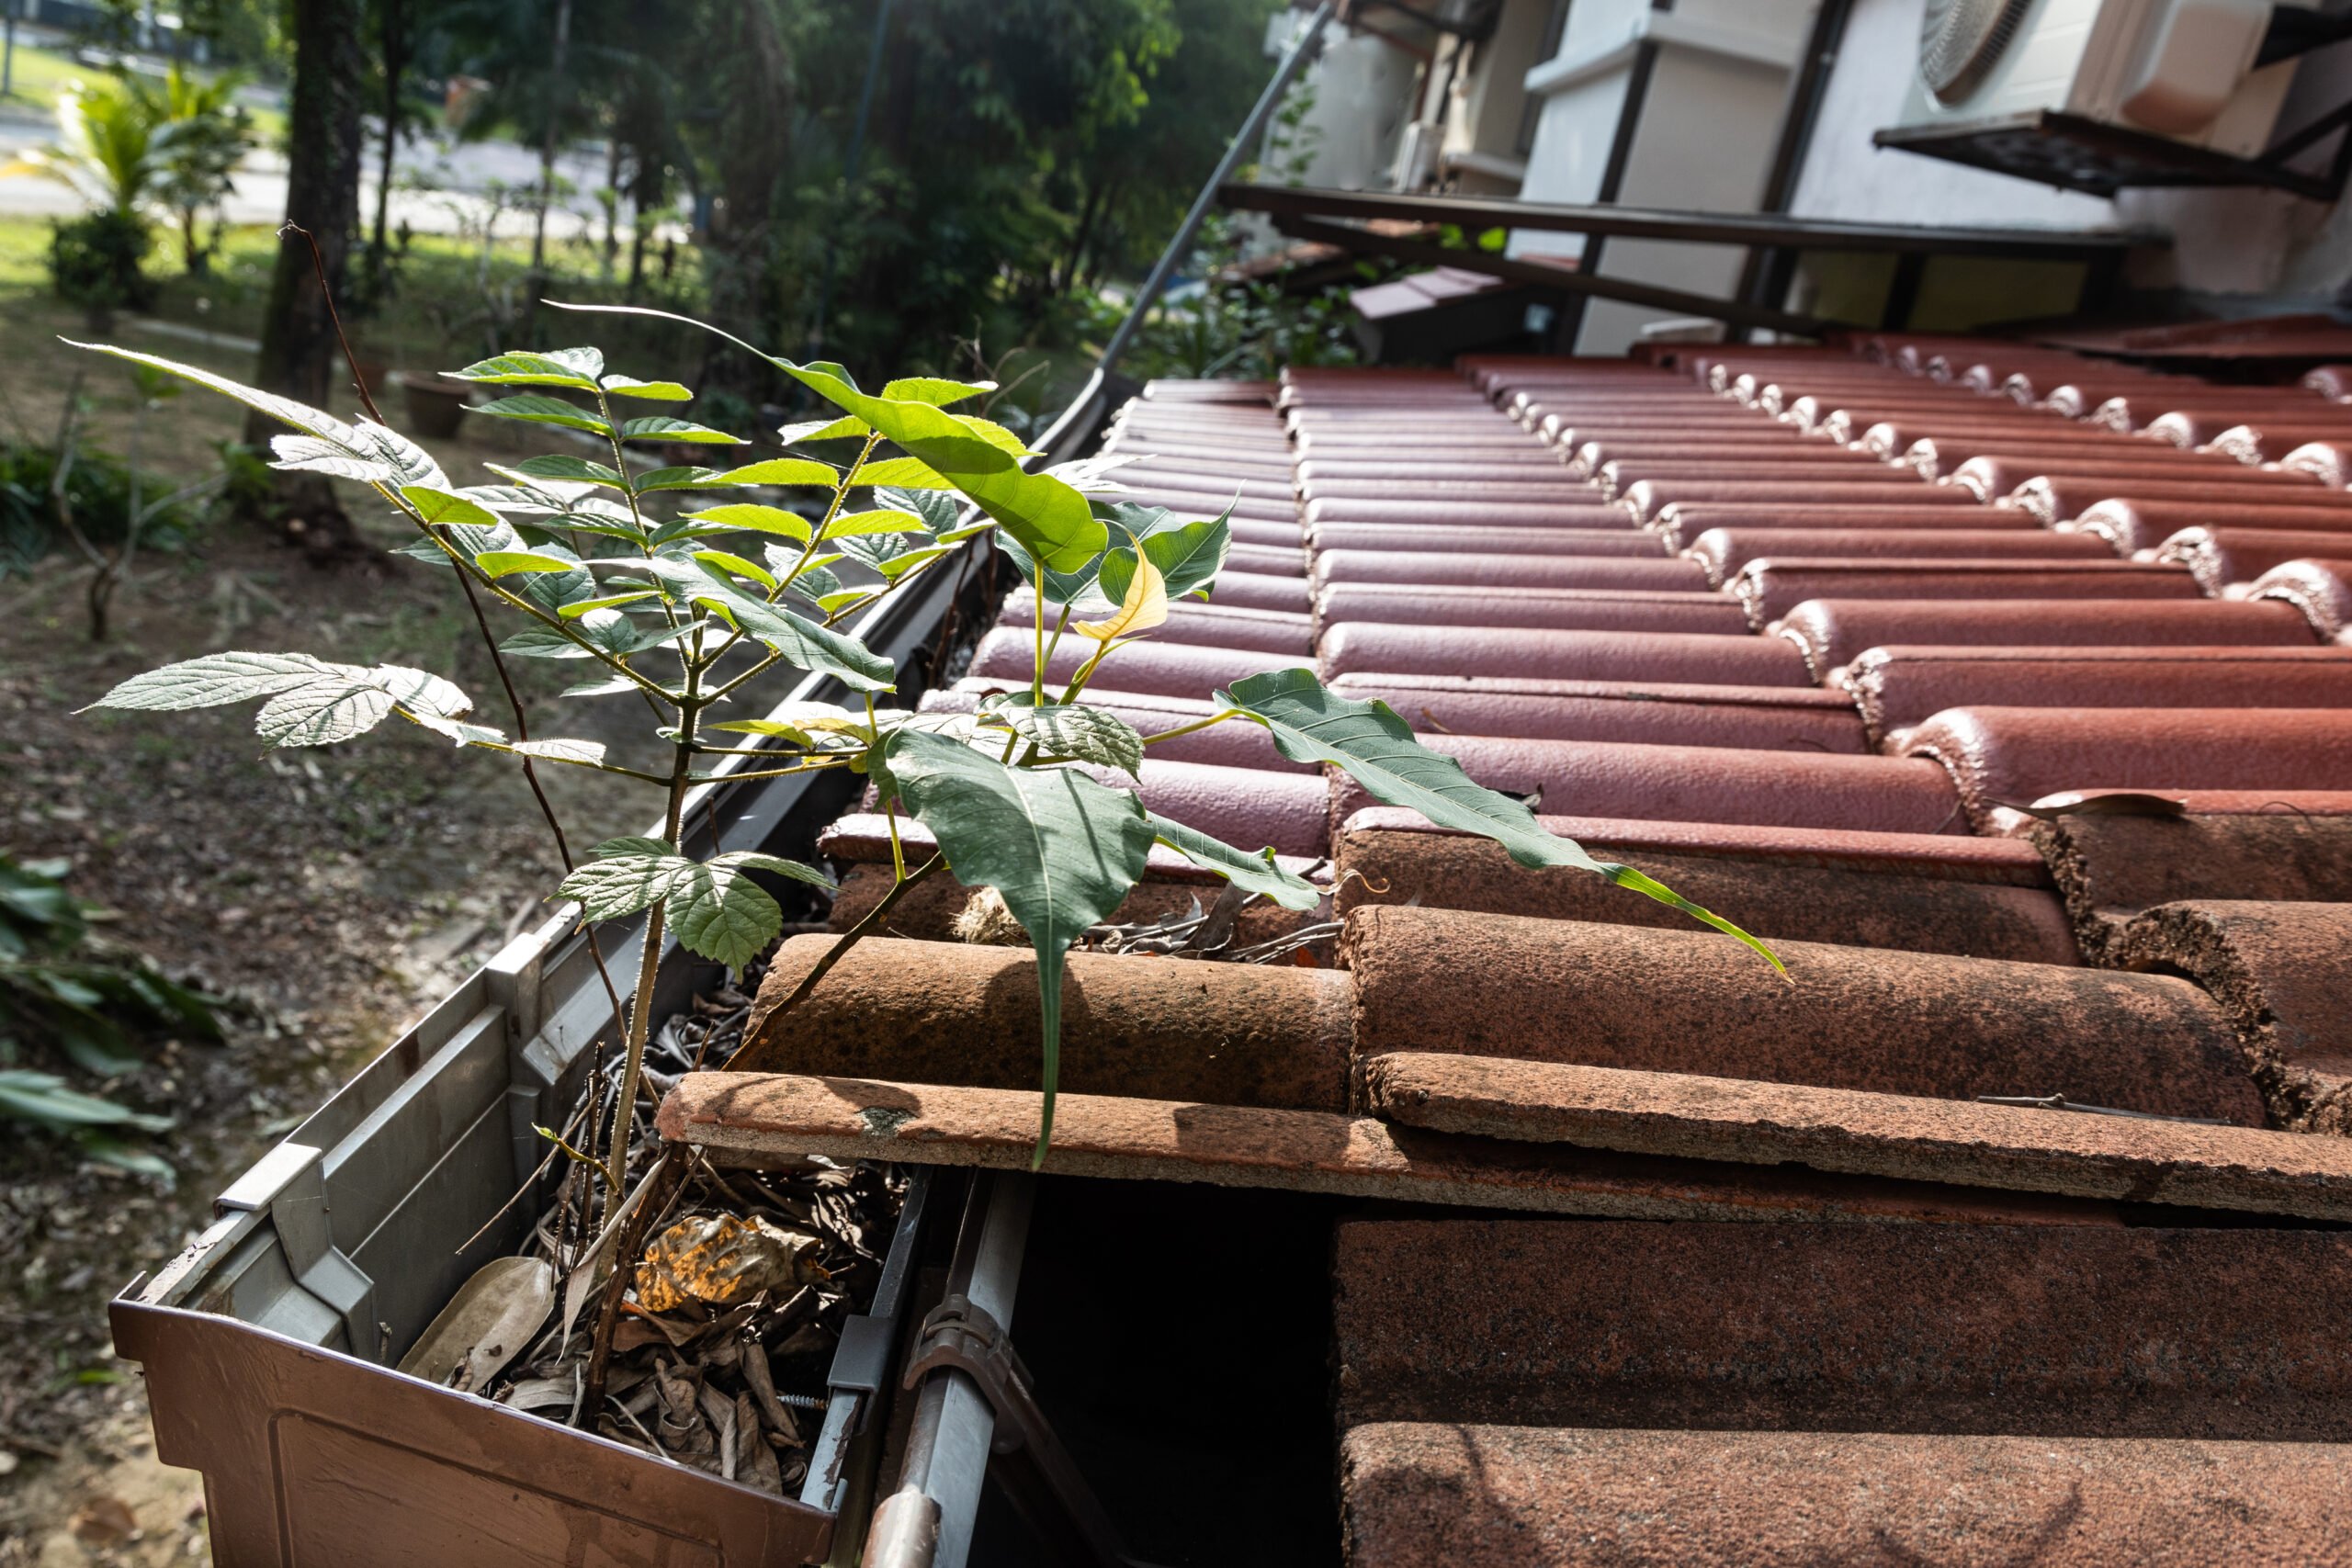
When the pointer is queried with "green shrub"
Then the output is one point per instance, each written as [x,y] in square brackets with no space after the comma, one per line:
[99,488]
[96,263]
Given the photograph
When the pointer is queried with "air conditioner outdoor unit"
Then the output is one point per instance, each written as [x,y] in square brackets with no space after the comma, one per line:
[2179,69]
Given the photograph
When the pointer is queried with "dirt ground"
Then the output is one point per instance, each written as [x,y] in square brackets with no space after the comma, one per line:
[331,894]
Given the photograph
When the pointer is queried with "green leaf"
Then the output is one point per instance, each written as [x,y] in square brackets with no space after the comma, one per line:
[215,679]
[782,471]
[543,642]
[506,563]
[937,391]
[1189,556]
[895,566]
[525,370]
[650,391]
[585,752]
[631,844]
[1088,734]
[1060,587]
[805,643]
[1377,749]
[610,601]
[99,1149]
[995,435]
[824,430]
[437,506]
[739,565]
[559,465]
[662,428]
[44,1098]
[854,523]
[905,473]
[1049,518]
[721,914]
[940,511]
[1251,873]
[325,711]
[607,688]
[752,859]
[302,416]
[713,907]
[624,877]
[536,407]
[757,518]
[312,454]
[1061,849]
[681,478]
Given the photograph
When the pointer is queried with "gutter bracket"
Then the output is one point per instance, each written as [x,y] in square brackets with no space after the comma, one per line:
[297,1205]
[959,1335]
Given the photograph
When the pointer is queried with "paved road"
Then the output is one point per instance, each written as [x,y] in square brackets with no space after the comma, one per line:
[440,185]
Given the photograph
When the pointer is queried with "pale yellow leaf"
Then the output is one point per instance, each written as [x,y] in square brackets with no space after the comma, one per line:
[1146,606]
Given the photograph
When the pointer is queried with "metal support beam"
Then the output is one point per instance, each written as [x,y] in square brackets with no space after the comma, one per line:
[1557,278]
[1695,228]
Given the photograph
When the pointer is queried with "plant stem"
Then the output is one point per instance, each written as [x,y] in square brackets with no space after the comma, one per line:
[650,954]
[1188,728]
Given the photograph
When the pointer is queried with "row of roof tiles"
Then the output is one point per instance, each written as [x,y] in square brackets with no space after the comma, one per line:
[2006,693]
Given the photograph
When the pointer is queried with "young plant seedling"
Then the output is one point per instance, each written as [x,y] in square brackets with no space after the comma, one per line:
[684,609]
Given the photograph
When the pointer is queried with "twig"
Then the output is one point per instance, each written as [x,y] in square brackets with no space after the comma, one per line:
[666,1173]
[350,363]
[849,938]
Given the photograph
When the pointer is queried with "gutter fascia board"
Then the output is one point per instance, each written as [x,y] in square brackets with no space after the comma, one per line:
[1610,53]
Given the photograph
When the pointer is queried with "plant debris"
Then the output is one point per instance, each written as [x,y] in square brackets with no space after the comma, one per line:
[737,1295]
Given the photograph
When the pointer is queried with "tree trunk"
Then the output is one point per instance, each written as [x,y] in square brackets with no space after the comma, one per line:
[612,203]
[549,140]
[393,36]
[297,344]
[1081,235]
[752,157]
[298,339]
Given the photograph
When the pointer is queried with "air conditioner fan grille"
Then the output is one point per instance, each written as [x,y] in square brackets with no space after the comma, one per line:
[1959,40]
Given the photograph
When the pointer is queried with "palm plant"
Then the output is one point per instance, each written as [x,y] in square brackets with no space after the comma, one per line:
[202,134]
[110,150]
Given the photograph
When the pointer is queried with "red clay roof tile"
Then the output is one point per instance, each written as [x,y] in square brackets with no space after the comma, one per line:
[2081,1331]
[1418,1496]
[2006,757]
[2014,1148]
[1686,1000]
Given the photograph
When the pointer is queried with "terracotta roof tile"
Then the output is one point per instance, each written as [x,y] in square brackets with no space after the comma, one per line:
[1398,606]
[2320,587]
[959,1013]
[753,1118]
[1484,568]
[1831,632]
[1781,787]
[1723,551]
[2014,1148]
[2293,846]
[2143,524]
[1898,687]
[1752,717]
[1768,589]
[2006,757]
[1785,885]
[2076,1331]
[1672,1000]
[2283,973]
[1419,1494]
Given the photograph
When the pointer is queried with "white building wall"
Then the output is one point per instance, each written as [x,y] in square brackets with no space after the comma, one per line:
[2248,248]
